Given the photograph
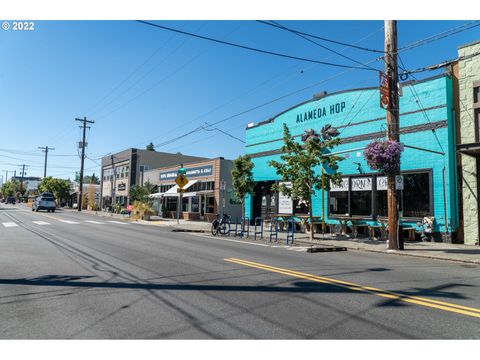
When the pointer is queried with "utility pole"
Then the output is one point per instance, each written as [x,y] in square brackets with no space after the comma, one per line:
[45,149]
[113,184]
[80,190]
[393,127]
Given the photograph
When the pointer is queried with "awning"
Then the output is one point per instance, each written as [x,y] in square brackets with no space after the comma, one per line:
[472,149]
[172,192]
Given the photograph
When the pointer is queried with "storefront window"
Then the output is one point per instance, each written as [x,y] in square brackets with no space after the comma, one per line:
[339,198]
[195,204]
[210,208]
[185,204]
[171,204]
[416,195]
[361,196]
[382,205]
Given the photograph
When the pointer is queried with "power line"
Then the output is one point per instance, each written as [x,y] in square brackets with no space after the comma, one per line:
[275,24]
[322,46]
[223,132]
[253,49]
[261,105]
[441,35]
[132,73]
[145,74]
[420,105]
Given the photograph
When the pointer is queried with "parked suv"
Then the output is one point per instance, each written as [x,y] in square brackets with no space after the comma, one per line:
[45,201]
[10,200]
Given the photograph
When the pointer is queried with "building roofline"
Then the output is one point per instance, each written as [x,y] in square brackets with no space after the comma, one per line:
[469,44]
[407,83]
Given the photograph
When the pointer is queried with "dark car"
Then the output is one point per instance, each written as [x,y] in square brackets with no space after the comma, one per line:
[10,200]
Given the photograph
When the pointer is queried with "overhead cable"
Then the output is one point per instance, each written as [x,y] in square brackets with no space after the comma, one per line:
[254,49]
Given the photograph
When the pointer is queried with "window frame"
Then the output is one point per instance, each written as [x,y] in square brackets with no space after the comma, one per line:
[374,205]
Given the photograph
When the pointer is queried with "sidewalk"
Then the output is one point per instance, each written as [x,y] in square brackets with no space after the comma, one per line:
[432,250]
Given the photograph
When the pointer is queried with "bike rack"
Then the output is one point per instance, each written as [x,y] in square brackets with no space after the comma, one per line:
[245,220]
[290,230]
[258,223]
[274,229]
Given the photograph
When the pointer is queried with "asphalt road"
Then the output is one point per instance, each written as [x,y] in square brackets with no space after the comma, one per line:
[67,275]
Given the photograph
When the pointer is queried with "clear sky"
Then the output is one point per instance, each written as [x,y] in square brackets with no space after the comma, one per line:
[141,84]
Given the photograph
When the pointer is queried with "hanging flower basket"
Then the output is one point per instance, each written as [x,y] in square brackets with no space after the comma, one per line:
[383,155]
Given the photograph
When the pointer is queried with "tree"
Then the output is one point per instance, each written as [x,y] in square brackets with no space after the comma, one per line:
[150,147]
[10,188]
[140,193]
[301,163]
[242,179]
[60,188]
[91,179]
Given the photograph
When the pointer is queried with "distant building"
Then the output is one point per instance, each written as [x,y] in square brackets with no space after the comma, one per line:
[30,182]
[124,169]
[208,191]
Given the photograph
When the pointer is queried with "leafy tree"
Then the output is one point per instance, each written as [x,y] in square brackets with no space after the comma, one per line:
[91,179]
[140,193]
[10,188]
[242,178]
[150,147]
[301,163]
[60,188]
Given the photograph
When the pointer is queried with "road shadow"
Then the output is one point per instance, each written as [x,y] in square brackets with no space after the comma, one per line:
[451,251]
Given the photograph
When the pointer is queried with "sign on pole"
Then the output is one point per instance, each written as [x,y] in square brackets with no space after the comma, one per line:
[398,182]
[181,181]
[223,185]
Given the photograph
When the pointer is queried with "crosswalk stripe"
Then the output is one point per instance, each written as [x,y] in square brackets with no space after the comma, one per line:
[9,224]
[117,222]
[68,221]
[41,223]
[95,222]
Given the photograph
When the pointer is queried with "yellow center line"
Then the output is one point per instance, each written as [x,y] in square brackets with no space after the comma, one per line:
[464,310]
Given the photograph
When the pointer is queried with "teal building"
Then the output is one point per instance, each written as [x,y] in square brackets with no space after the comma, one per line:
[428,162]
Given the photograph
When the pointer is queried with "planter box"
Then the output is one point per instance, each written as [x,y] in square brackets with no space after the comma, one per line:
[191,216]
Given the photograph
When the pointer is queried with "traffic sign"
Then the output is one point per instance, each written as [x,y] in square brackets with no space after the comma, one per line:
[181,181]
[223,185]
[398,182]
[181,190]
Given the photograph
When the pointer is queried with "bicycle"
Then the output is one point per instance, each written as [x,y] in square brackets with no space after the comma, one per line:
[219,226]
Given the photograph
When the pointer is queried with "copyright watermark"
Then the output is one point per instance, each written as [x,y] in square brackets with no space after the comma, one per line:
[18,25]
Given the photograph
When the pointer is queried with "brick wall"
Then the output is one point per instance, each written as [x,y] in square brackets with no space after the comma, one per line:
[469,72]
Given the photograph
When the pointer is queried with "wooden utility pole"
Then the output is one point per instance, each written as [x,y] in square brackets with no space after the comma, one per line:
[80,190]
[46,148]
[393,127]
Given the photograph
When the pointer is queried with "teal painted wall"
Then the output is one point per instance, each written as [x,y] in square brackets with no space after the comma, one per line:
[363,115]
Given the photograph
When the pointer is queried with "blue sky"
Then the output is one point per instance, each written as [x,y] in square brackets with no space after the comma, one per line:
[142,84]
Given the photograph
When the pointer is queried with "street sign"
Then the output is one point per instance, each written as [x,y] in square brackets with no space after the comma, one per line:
[181,190]
[398,182]
[223,185]
[181,181]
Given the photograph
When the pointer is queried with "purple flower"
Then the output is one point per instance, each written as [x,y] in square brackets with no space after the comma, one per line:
[383,155]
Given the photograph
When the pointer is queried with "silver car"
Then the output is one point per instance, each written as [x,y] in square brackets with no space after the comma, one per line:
[44,203]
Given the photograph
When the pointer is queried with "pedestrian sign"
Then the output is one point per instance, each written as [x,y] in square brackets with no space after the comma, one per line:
[181,180]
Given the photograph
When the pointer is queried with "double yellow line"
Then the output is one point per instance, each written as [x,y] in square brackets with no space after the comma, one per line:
[459,309]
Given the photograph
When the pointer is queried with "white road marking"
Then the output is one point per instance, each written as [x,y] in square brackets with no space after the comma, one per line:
[9,224]
[41,223]
[68,221]
[117,222]
[95,222]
